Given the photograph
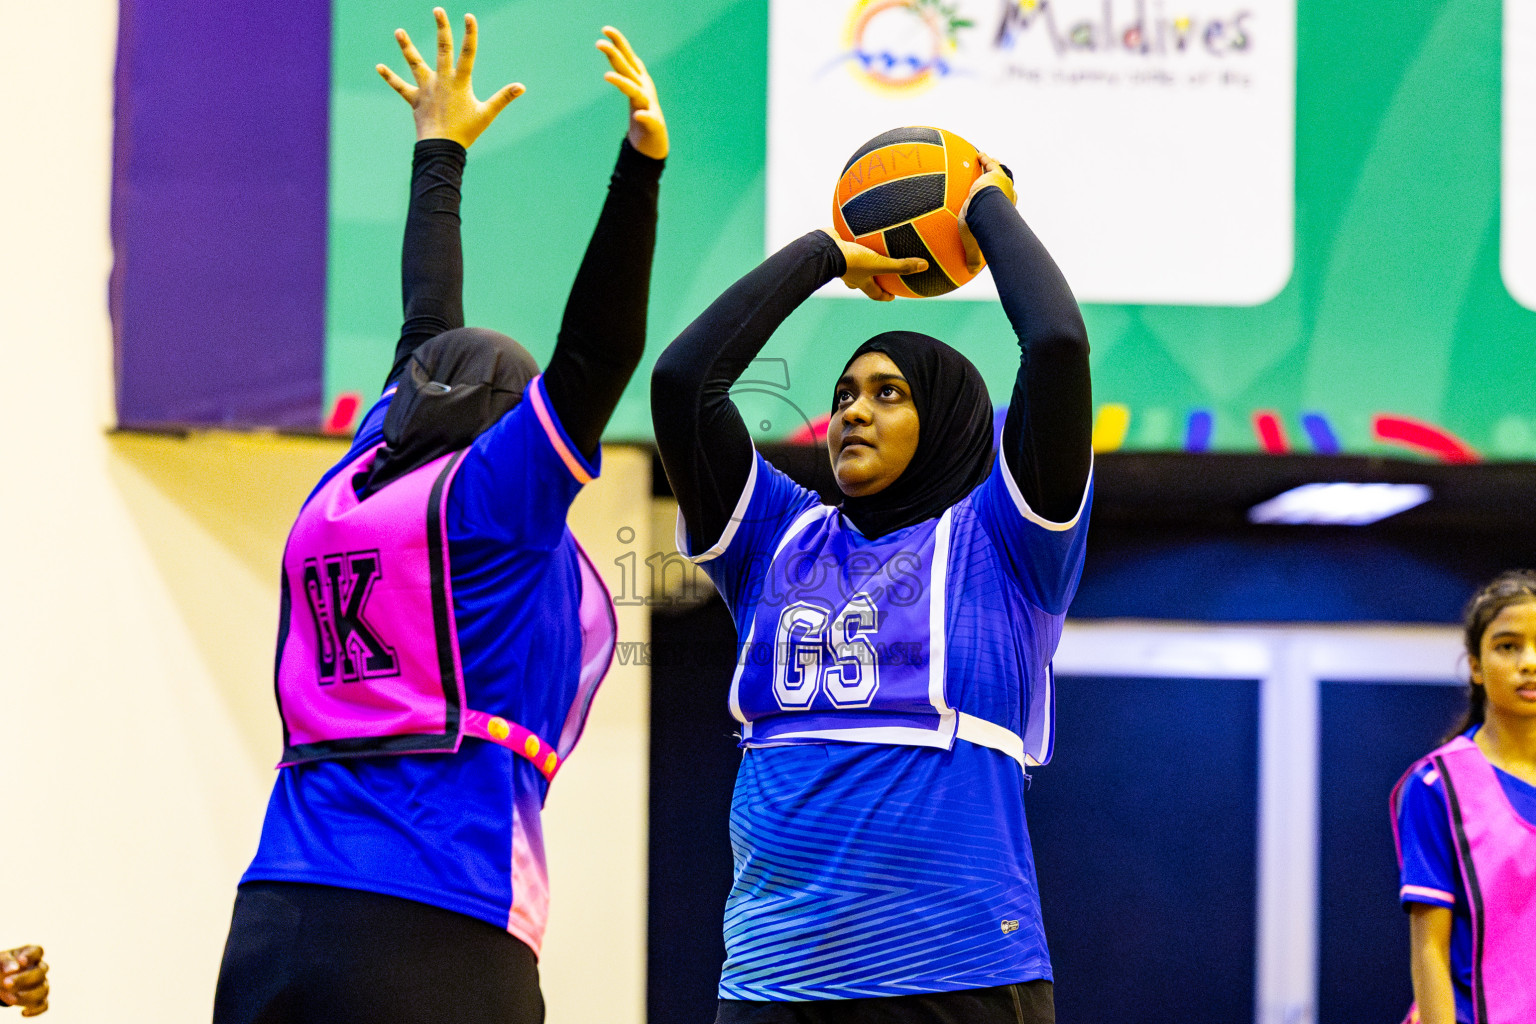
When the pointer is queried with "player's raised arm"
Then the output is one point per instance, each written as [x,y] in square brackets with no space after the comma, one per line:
[602,334]
[705,447]
[1047,438]
[448,120]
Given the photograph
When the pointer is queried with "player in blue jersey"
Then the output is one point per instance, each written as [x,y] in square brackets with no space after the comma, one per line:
[413,887]
[1445,838]
[894,678]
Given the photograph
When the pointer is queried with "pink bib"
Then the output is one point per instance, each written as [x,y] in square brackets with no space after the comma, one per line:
[1496,851]
[368,655]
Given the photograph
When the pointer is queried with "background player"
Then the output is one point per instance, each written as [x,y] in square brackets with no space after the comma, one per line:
[895,673]
[1465,822]
[412,888]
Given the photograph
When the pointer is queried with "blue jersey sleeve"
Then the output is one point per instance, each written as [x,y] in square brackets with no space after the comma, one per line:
[519,478]
[371,430]
[1430,873]
[737,562]
[369,433]
[1045,558]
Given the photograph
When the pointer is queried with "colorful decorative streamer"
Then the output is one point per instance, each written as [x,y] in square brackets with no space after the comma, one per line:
[1266,424]
[1422,437]
[1321,434]
[1111,426]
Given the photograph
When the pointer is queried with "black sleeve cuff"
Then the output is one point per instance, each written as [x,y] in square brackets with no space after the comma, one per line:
[820,243]
[635,166]
[980,197]
[986,207]
[428,149]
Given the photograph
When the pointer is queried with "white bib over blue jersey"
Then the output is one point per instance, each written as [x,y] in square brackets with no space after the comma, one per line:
[891,692]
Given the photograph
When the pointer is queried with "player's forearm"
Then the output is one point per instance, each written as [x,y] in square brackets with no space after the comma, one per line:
[1430,963]
[704,445]
[714,350]
[431,257]
[602,335]
[1433,992]
[1034,294]
[1047,438]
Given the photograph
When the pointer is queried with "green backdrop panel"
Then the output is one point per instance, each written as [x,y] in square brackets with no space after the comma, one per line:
[1395,305]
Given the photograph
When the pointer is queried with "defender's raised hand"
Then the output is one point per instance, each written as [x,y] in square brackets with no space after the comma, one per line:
[443,101]
[647,126]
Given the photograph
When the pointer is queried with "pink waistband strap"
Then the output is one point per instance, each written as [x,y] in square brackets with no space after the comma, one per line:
[506,733]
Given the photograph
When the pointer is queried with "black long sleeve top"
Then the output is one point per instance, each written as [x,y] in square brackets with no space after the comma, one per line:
[602,333]
[704,444]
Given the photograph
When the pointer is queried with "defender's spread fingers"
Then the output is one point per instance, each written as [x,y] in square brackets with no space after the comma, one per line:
[617,60]
[505,95]
[444,42]
[622,41]
[413,56]
[628,87]
[471,43]
[407,92]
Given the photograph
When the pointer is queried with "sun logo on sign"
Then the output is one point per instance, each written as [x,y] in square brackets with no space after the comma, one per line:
[898,46]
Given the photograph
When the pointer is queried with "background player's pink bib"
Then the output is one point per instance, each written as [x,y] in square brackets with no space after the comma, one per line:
[368,660]
[1496,851]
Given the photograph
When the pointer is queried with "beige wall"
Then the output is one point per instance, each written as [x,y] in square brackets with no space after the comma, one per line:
[593,967]
[138,602]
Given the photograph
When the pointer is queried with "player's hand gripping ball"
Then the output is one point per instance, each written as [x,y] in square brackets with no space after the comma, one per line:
[900,195]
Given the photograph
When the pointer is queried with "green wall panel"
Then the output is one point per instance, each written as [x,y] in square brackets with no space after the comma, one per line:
[1395,304]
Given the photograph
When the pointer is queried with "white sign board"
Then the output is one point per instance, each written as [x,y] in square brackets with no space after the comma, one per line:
[1153,141]
[1517,257]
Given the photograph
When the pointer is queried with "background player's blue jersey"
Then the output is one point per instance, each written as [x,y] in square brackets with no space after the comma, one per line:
[462,831]
[898,864]
[1430,871]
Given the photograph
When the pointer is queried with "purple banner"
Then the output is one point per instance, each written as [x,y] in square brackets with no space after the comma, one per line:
[219,213]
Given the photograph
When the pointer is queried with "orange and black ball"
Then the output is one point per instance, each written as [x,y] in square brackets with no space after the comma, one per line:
[900,195]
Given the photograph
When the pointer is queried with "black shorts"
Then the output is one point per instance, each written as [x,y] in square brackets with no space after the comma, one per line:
[306,954]
[1028,1003]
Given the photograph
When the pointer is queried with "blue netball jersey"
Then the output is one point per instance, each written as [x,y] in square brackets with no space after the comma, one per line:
[890,694]
[462,831]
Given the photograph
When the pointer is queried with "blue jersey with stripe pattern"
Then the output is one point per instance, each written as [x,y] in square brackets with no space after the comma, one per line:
[879,851]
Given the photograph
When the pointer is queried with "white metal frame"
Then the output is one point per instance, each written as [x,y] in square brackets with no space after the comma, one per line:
[1288,662]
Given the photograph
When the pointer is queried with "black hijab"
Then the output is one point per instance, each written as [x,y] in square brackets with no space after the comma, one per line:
[455,387]
[954,439]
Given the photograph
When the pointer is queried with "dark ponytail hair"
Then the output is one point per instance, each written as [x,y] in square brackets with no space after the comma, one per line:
[1509,588]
